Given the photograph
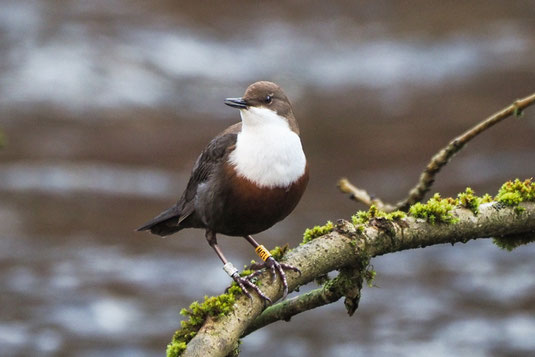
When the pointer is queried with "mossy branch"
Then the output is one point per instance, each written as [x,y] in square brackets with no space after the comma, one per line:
[348,247]
[348,283]
[439,160]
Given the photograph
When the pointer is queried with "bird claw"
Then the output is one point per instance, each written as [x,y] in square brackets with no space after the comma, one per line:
[244,283]
[276,267]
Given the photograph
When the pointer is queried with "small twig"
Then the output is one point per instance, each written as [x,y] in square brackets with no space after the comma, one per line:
[348,283]
[286,309]
[417,193]
[360,195]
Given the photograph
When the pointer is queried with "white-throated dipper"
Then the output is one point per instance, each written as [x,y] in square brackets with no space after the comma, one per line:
[249,177]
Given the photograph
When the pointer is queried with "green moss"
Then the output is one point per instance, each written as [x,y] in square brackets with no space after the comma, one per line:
[340,283]
[175,349]
[512,193]
[510,198]
[2,139]
[236,351]
[278,252]
[469,200]
[436,210]
[513,241]
[362,217]
[487,198]
[214,306]
[519,210]
[396,215]
[383,220]
[369,275]
[317,231]
[246,272]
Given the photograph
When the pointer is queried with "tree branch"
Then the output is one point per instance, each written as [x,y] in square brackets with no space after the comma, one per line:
[439,160]
[347,246]
[361,195]
[350,247]
[349,282]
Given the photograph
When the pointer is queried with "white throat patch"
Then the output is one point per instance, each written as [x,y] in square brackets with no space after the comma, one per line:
[267,152]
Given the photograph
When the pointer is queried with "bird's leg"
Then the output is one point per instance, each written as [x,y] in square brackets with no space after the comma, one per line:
[272,264]
[243,283]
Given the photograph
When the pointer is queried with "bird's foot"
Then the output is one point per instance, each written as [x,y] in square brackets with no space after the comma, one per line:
[245,282]
[276,267]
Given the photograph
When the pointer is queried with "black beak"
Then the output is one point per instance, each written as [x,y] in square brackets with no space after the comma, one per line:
[239,103]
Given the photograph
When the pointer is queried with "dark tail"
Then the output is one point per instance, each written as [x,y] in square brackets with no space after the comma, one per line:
[164,224]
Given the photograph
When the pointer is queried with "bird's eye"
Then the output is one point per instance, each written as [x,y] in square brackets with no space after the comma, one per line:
[268,99]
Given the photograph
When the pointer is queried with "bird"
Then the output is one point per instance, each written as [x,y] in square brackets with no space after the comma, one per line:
[249,177]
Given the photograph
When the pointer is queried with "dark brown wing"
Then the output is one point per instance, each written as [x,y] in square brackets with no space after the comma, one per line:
[212,155]
[168,222]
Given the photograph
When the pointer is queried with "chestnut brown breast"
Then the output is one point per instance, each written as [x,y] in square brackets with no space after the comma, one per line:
[245,208]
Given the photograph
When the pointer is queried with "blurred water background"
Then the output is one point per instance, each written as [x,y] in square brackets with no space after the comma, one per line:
[106,104]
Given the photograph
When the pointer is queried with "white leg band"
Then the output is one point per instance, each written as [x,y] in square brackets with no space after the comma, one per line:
[229,268]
